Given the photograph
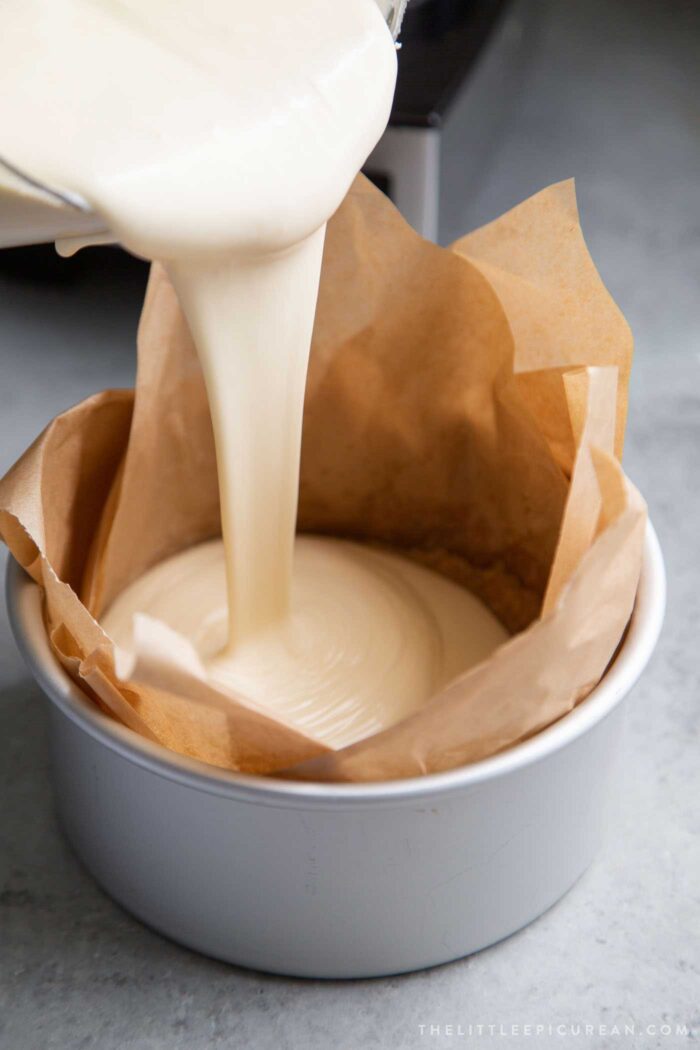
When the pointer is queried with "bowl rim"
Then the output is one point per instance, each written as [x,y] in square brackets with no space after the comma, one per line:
[24,607]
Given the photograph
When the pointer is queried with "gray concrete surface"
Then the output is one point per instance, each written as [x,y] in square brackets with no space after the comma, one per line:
[609,92]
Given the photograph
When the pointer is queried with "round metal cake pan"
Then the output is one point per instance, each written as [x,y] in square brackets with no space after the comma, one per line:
[336,880]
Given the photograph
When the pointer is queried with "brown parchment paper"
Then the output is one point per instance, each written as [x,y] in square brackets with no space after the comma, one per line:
[463,406]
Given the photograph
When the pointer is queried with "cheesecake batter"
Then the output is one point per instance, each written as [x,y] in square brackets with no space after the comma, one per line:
[369,638]
[219,138]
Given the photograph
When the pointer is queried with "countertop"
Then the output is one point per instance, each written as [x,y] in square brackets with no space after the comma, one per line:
[604,91]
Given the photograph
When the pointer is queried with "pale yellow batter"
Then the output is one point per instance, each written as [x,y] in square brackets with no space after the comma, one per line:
[370,637]
[219,138]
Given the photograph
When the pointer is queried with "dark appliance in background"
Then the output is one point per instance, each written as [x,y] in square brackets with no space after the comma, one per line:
[440,43]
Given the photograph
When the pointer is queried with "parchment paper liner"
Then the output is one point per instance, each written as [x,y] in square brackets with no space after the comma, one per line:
[464,406]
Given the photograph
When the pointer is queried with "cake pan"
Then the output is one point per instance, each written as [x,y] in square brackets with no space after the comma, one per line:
[336,880]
